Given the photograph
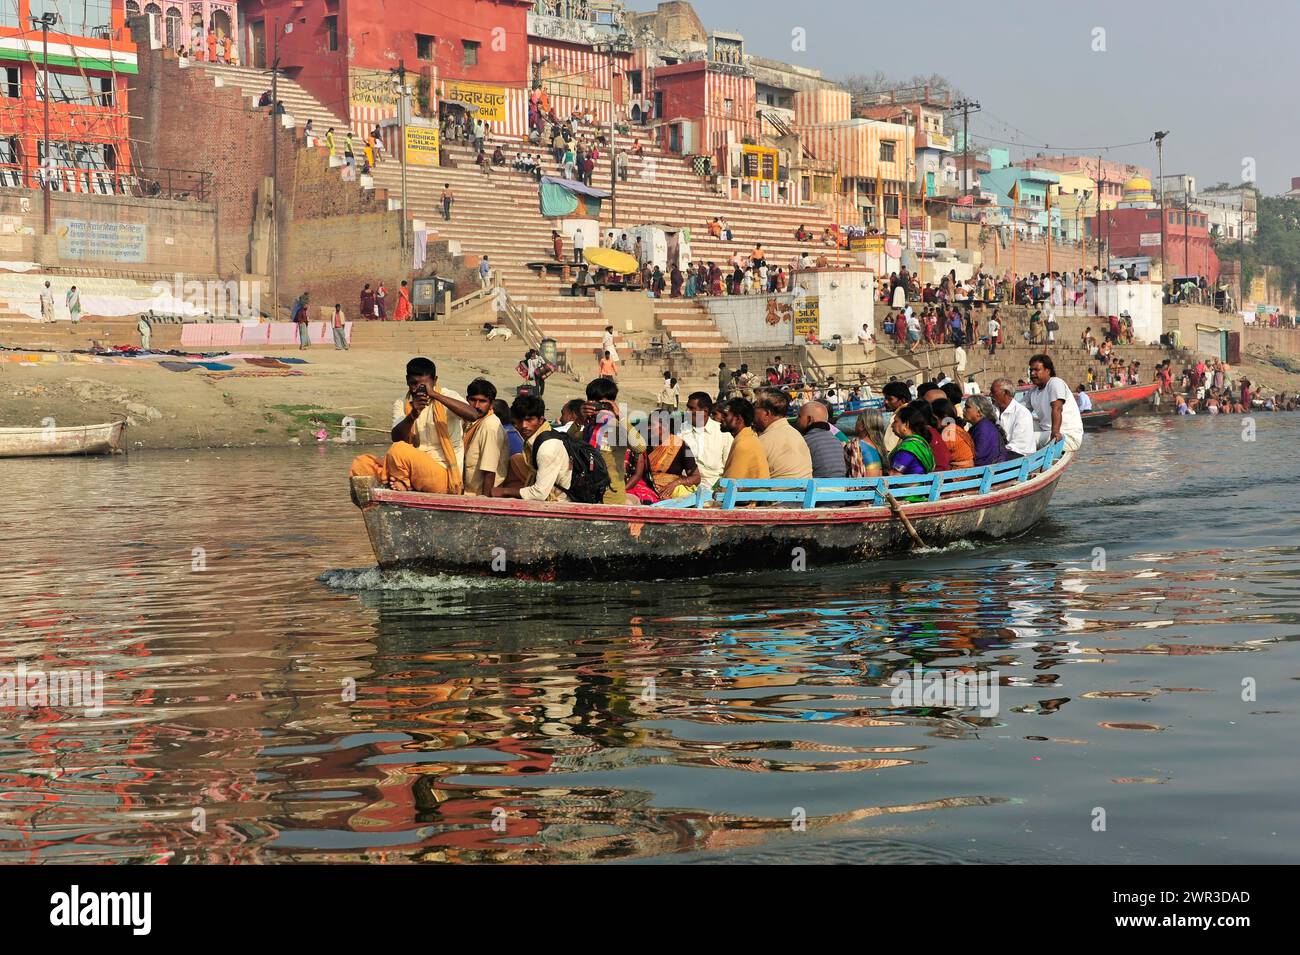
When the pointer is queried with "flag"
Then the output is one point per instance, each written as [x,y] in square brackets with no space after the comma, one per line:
[1014,194]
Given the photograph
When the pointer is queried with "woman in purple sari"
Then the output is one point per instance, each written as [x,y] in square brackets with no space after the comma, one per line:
[990,442]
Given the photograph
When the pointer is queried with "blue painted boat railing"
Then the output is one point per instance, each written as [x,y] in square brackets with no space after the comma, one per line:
[870,491]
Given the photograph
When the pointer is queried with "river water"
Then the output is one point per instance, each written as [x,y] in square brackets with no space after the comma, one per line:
[269,696]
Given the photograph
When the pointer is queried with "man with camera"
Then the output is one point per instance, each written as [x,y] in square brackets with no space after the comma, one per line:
[428,439]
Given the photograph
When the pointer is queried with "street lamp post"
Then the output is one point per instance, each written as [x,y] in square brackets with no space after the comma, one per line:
[275,168]
[1159,137]
[45,21]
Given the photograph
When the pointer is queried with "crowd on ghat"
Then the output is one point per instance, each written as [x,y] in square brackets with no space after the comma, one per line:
[475,444]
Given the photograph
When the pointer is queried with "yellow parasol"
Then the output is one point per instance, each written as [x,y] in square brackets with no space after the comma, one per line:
[612,259]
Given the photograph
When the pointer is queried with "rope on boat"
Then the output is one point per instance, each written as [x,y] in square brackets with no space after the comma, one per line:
[898,512]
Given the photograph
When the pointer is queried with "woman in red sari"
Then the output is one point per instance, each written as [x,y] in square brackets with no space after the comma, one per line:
[402,312]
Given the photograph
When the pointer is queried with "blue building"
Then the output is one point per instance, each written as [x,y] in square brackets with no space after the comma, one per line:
[1032,215]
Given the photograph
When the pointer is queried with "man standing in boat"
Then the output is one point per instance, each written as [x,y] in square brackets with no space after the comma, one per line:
[1054,406]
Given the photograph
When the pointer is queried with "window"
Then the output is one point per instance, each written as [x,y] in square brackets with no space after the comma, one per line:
[471,52]
[634,77]
[83,18]
[331,33]
[887,151]
[424,45]
[729,107]
[891,206]
[12,88]
[76,88]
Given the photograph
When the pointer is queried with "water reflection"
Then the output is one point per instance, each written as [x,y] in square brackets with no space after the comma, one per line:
[254,713]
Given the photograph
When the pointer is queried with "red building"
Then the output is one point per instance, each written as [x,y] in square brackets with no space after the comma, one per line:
[343,51]
[701,108]
[1133,229]
[90,55]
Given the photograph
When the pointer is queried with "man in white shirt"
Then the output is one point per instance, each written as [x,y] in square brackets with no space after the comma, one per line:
[994,327]
[959,356]
[553,472]
[1084,402]
[1016,421]
[1054,407]
[708,443]
[971,387]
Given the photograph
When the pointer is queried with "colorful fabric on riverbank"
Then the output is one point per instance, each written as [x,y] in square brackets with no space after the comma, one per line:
[259,373]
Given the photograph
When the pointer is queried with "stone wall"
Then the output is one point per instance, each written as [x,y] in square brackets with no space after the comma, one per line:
[743,318]
[1284,341]
[109,232]
[333,235]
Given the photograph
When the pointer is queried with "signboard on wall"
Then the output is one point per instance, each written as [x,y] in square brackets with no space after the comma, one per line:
[422,145]
[490,101]
[871,244]
[1149,238]
[102,241]
[807,316]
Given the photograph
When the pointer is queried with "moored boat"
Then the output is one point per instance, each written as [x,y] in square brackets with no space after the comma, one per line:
[1110,403]
[746,525]
[51,441]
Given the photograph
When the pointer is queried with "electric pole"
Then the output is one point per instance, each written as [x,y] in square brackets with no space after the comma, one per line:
[275,174]
[1159,137]
[45,21]
[966,106]
[403,104]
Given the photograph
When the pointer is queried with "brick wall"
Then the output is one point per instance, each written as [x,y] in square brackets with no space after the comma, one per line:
[333,235]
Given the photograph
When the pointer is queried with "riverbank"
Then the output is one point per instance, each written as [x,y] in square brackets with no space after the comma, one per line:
[268,407]
[248,406]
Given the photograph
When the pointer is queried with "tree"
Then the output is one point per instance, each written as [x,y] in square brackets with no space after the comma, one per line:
[1276,245]
[863,84]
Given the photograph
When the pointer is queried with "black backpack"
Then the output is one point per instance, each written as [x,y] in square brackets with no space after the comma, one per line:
[590,478]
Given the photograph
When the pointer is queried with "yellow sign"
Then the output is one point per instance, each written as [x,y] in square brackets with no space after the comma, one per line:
[373,88]
[807,317]
[871,244]
[490,101]
[422,145]
[759,162]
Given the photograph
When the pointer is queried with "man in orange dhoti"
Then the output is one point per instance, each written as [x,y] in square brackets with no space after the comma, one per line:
[427,454]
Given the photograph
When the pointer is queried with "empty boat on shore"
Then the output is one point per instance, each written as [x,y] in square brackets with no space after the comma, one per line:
[53,442]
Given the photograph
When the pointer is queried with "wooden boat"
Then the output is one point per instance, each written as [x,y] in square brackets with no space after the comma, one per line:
[789,525]
[1110,403]
[45,442]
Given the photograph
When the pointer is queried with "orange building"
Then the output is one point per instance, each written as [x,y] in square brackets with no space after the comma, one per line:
[90,55]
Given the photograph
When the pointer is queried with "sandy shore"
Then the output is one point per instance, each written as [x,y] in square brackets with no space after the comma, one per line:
[197,409]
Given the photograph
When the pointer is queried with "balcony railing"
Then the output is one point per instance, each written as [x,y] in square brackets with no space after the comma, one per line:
[145,182]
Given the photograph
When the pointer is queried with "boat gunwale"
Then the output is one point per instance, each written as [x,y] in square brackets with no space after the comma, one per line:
[762,516]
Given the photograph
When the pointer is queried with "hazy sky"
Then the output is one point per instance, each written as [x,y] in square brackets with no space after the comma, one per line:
[1222,76]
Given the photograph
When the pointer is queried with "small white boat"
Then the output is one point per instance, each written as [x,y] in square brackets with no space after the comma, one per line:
[45,442]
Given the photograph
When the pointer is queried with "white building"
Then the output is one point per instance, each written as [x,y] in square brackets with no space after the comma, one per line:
[1231,210]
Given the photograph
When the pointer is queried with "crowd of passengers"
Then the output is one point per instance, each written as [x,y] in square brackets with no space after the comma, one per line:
[595,452]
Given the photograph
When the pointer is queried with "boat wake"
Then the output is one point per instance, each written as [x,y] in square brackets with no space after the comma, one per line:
[954,547]
[375,579]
